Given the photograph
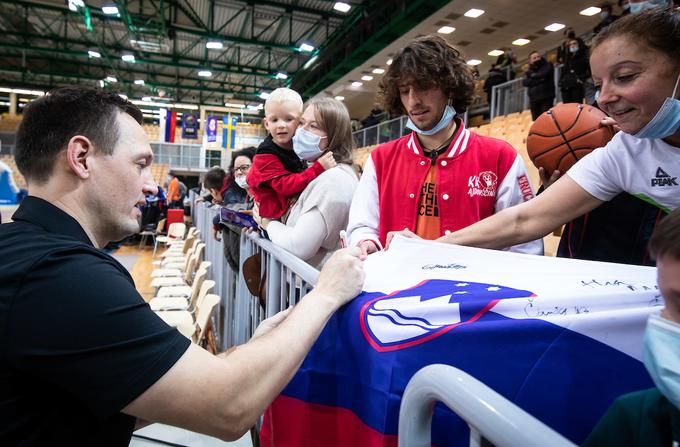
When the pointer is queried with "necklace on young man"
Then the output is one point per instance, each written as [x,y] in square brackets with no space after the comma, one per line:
[433,153]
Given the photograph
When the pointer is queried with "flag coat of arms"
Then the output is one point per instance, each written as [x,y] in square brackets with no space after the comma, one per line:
[560,338]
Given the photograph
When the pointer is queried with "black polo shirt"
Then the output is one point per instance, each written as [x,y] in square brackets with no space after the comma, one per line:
[78,343]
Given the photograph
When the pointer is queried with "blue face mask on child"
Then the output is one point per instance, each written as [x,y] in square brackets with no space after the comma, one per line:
[306,144]
[666,121]
[661,356]
[447,117]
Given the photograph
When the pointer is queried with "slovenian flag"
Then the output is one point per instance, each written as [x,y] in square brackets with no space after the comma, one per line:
[560,338]
[170,126]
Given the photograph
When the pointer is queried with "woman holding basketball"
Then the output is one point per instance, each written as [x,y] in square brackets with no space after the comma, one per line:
[635,63]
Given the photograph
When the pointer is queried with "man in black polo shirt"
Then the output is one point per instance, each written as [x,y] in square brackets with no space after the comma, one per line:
[82,357]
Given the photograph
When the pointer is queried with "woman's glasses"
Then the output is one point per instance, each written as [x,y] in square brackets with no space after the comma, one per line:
[243,169]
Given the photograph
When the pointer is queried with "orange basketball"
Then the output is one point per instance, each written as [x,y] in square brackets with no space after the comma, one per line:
[564,134]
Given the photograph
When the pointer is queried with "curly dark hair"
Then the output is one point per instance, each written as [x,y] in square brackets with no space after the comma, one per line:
[428,62]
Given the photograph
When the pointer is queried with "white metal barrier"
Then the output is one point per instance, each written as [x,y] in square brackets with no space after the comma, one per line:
[288,278]
[490,416]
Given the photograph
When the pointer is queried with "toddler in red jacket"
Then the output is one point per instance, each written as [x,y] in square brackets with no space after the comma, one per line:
[278,175]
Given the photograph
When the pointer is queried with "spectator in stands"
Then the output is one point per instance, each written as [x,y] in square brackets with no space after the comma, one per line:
[374,117]
[505,61]
[540,80]
[84,358]
[494,78]
[642,5]
[563,53]
[441,177]
[239,199]
[174,193]
[279,173]
[641,160]
[608,17]
[650,418]
[312,230]
[625,6]
[575,73]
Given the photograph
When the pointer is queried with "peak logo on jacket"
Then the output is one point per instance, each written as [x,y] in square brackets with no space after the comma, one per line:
[483,184]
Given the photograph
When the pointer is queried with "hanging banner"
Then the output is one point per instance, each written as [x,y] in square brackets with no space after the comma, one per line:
[190,126]
[170,126]
[560,338]
[229,131]
[211,129]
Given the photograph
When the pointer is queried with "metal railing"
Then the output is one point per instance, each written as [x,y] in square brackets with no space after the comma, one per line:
[287,280]
[490,416]
[386,131]
[181,156]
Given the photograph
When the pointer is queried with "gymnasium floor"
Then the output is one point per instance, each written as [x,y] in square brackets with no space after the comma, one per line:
[139,263]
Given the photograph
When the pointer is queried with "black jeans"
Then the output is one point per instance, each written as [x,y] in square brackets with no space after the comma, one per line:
[572,94]
[539,106]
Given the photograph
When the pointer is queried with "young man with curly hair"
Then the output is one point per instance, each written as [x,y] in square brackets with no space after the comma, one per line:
[441,177]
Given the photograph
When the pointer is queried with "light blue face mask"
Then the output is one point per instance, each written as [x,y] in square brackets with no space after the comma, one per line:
[666,121]
[447,117]
[661,356]
[649,4]
[306,144]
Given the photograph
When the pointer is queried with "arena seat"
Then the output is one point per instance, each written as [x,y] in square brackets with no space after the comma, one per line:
[19,179]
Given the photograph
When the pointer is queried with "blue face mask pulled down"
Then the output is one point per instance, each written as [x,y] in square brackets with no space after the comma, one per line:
[666,121]
[306,144]
[661,356]
[447,117]
[649,4]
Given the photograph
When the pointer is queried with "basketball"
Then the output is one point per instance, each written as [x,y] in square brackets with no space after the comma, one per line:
[564,134]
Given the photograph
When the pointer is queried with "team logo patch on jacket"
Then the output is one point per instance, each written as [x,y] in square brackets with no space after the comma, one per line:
[483,184]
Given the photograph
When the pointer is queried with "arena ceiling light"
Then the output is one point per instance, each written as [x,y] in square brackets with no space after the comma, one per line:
[389,61]
[446,30]
[520,42]
[111,79]
[73,5]
[342,6]
[281,75]
[124,96]
[110,9]
[94,54]
[306,47]
[205,73]
[474,62]
[146,98]
[378,71]
[20,91]
[590,11]
[139,81]
[474,13]
[128,57]
[214,45]
[357,84]
[234,105]
[554,27]
[495,52]
[340,98]
[264,95]
[367,78]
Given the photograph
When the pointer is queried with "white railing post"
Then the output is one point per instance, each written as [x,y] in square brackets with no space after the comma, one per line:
[484,410]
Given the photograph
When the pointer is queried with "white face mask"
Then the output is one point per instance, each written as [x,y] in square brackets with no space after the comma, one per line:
[241,181]
[306,144]
[661,356]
